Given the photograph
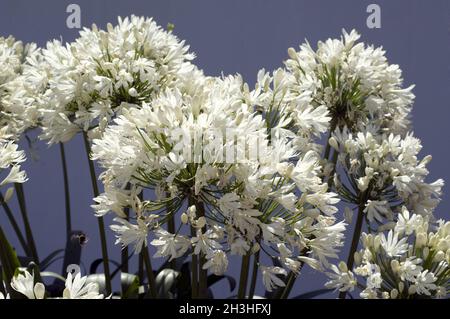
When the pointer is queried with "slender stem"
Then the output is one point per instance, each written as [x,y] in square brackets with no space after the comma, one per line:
[251,292]
[150,276]
[15,226]
[171,229]
[356,236]
[141,269]
[194,262]
[203,274]
[101,224]
[125,253]
[66,190]
[26,221]
[244,276]
[333,171]
[289,284]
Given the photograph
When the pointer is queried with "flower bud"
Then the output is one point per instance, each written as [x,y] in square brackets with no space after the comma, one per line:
[343,266]
[256,247]
[9,193]
[376,243]
[333,143]
[395,265]
[201,222]
[421,240]
[348,215]
[357,258]
[426,251]
[394,293]
[440,256]
[133,92]
[412,290]
[184,218]
[292,54]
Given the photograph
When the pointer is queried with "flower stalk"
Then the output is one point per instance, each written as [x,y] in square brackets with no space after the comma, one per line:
[66,190]
[28,232]
[101,224]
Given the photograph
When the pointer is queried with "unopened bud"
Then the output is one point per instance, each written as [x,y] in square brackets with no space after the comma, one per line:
[333,143]
[440,256]
[9,193]
[343,266]
[395,265]
[394,293]
[184,218]
[201,222]
[421,240]
[292,54]
[256,247]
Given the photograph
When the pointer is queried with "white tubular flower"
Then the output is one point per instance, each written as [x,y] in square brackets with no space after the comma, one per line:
[106,71]
[10,160]
[209,149]
[20,88]
[270,277]
[24,283]
[77,287]
[341,278]
[387,171]
[395,266]
[217,262]
[352,81]
[170,245]
[128,233]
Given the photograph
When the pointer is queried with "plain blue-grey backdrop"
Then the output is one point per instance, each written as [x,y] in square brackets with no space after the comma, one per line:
[232,36]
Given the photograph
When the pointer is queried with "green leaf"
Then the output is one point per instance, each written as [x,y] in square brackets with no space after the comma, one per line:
[130,284]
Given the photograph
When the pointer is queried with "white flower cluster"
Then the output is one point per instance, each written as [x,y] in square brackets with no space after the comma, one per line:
[235,206]
[354,81]
[412,261]
[18,110]
[10,160]
[386,169]
[105,71]
[76,287]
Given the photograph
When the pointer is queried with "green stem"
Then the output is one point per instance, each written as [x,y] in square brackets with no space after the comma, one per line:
[9,263]
[141,269]
[289,285]
[101,224]
[150,276]
[244,276]
[356,236]
[26,221]
[251,292]
[333,171]
[194,262]
[203,274]
[15,226]
[171,229]
[66,190]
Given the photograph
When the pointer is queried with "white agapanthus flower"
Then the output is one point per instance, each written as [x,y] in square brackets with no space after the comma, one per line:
[103,72]
[387,169]
[197,148]
[10,160]
[25,284]
[403,264]
[353,81]
[19,86]
[77,287]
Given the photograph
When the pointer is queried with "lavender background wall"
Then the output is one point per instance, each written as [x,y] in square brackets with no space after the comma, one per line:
[237,36]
